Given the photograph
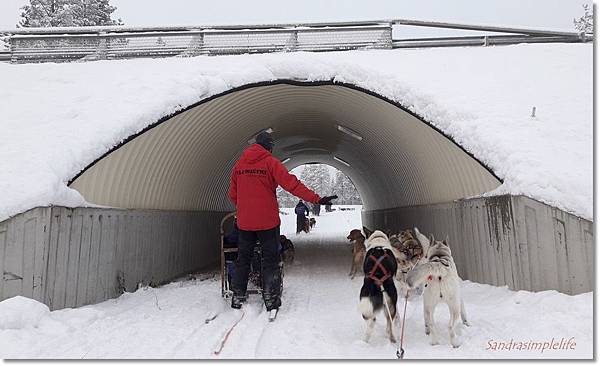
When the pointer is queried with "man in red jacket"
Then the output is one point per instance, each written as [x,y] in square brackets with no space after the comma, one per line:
[254,180]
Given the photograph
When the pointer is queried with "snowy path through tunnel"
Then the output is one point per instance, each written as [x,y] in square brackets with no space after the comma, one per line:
[318,319]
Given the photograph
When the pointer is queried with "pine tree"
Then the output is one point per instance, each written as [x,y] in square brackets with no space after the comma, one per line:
[4,44]
[67,13]
[316,177]
[161,42]
[92,13]
[345,189]
[284,198]
[45,13]
[585,24]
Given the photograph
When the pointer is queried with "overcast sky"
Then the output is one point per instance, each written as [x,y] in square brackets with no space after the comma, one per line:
[547,14]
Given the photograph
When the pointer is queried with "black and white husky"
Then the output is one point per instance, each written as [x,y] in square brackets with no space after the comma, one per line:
[442,285]
[380,269]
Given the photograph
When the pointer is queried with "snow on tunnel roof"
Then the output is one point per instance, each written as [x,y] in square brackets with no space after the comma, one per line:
[58,118]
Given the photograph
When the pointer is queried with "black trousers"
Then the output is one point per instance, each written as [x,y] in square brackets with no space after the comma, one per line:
[269,243]
[300,223]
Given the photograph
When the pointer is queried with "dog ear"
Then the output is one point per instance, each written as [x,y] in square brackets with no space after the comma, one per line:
[446,240]
[431,239]
[367,232]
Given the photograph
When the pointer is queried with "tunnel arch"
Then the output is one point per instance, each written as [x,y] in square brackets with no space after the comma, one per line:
[182,162]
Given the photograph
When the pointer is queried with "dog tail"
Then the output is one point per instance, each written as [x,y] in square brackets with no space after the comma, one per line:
[374,295]
[418,275]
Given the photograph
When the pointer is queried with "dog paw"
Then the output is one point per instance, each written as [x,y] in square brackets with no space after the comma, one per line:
[466,323]
[455,343]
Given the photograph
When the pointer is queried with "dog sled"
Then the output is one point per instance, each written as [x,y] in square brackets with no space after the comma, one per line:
[228,256]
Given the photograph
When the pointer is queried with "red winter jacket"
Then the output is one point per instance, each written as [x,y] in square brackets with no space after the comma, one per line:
[254,179]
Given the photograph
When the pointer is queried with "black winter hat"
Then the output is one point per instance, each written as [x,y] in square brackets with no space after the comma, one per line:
[265,140]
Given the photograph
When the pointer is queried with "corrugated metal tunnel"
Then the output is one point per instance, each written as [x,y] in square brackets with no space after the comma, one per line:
[166,192]
[184,163]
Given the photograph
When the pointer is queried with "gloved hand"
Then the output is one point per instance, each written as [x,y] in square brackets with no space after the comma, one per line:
[327,200]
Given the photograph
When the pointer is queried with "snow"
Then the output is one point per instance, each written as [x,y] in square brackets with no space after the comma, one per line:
[318,318]
[58,118]
[21,312]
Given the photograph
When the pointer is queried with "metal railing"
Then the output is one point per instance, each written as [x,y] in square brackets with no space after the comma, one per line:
[5,55]
[107,43]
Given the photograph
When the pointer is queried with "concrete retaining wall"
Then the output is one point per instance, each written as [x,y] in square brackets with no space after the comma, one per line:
[73,257]
[506,240]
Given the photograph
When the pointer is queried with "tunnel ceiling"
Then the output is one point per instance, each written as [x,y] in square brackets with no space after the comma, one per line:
[184,163]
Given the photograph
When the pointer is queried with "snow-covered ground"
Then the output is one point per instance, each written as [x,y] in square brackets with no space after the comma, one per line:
[318,319]
[58,118]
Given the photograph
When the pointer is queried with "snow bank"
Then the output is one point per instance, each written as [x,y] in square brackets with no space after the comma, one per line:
[21,312]
[58,118]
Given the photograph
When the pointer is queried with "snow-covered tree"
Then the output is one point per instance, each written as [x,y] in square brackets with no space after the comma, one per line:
[345,189]
[4,44]
[161,42]
[317,178]
[585,23]
[92,13]
[67,13]
[45,13]
[284,198]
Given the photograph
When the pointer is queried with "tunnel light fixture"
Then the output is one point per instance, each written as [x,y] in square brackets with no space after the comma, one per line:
[285,160]
[341,161]
[349,132]
[253,139]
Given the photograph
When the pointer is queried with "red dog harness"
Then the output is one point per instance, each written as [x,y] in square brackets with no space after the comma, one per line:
[386,274]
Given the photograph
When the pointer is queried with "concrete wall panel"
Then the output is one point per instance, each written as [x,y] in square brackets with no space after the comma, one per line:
[73,257]
[505,240]
[24,254]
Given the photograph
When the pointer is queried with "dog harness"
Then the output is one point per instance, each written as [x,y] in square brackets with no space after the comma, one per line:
[386,274]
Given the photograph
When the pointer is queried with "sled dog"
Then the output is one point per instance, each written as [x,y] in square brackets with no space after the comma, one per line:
[380,268]
[410,252]
[358,251]
[442,285]
[287,249]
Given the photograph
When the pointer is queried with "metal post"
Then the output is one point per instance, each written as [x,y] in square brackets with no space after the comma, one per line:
[102,51]
[292,44]
[13,47]
[387,37]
